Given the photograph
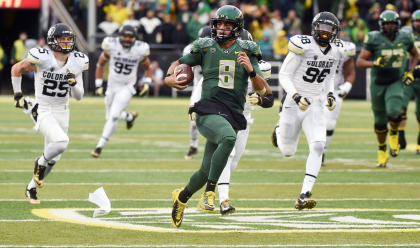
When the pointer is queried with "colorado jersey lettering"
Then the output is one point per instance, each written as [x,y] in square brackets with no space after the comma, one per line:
[51,87]
[123,62]
[316,68]
[348,50]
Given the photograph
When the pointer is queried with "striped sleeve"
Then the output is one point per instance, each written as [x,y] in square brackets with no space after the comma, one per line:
[295,46]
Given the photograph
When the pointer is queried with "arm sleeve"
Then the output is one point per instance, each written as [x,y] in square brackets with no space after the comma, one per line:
[287,70]
[77,91]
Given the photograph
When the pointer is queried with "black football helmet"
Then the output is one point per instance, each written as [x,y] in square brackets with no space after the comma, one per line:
[230,14]
[57,31]
[389,16]
[128,35]
[325,28]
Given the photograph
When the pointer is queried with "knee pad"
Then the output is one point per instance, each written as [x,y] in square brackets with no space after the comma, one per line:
[317,147]
[380,128]
[287,151]
[61,146]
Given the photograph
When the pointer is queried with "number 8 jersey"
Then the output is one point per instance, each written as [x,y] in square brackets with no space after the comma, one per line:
[51,87]
[124,62]
[316,66]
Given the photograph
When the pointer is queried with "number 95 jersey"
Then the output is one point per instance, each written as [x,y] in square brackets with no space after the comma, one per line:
[317,67]
[51,87]
[124,62]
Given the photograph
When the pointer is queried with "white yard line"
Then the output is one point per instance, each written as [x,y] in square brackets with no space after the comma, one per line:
[224,245]
[252,183]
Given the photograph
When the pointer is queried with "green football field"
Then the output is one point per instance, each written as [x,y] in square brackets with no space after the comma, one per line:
[359,205]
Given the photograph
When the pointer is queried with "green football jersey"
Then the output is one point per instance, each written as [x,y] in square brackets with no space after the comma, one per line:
[416,38]
[225,81]
[396,50]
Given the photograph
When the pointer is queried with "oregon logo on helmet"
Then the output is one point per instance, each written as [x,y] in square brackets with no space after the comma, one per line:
[229,14]
[389,17]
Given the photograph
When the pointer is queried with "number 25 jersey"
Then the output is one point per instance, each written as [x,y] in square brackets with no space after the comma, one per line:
[124,62]
[51,87]
[317,66]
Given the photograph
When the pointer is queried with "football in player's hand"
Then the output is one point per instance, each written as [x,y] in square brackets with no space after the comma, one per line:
[184,71]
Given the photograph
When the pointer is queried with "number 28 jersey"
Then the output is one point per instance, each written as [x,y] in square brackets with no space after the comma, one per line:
[51,87]
[317,66]
[124,62]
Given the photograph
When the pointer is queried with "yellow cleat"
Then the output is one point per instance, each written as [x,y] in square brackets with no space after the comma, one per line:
[304,201]
[394,146]
[177,208]
[206,202]
[382,158]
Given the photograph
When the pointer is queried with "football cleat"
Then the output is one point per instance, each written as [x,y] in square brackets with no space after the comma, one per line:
[31,195]
[131,123]
[274,137]
[323,160]
[95,153]
[305,201]
[382,158]
[394,146]
[177,208]
[191,152]
[206,203]
[39,174]
[401,140]
[226,207]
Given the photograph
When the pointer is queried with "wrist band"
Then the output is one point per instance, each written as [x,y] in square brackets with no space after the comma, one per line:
[252,74]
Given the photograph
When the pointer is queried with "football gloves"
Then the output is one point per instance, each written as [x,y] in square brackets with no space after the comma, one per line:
[408,78]
[144,89]
[331,101]
[254,99]
[344,89]
[416,72]
[71,78]
[381,61]
[301,101]
[99,91]
[19,100]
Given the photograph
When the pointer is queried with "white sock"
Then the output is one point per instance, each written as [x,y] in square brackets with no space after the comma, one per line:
[109,129]
[127,116]
[42,161]
[308,184]
[313,165]
[223,190]
[31,184]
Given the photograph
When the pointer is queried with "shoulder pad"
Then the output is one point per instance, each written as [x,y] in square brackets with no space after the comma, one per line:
[143,46]
[187,49]
[298,42]
[82,59]
[36,55]
[371,36]
[108,43]
[350,48]
[406,29]
[250,46]
[201,43]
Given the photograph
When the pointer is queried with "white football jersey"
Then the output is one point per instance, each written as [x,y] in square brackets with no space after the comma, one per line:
[51,87]
[198,73]
[124,62]
[317,67]
[348,50]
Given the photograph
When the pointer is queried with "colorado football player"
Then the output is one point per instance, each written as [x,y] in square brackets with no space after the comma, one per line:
[58,74]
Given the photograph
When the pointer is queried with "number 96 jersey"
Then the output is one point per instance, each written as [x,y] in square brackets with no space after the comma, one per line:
[124,62]
[51,87]
[317,67]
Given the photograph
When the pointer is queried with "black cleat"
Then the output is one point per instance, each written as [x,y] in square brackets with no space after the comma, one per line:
[305,201]
[131,123]
[39,174]
[97,152]
[31,195]
[226,208]
[274,137]
[191,152]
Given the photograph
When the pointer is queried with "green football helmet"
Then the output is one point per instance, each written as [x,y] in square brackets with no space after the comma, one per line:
[389,16]
[230,14]
[415,17]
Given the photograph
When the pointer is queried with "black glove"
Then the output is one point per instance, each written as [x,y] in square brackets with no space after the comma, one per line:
[71,78]
[416,72]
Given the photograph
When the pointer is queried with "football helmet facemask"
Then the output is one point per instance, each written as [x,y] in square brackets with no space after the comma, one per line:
[325,28]
[60,38]
[229,14]
[389,16]
[127,35]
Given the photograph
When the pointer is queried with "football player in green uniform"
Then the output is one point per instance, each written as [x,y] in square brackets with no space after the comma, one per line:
[227,63]
[413,89]
[385,51]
